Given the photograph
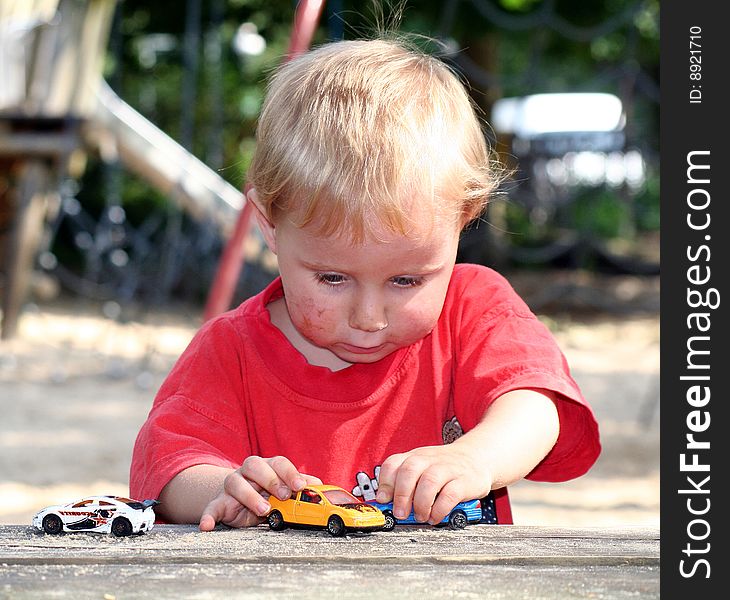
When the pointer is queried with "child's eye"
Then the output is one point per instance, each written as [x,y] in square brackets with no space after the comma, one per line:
[404,281]
[330,278]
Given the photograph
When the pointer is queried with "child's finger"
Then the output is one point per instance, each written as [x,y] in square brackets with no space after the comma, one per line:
[406,481]
[225,509]
[259,472]
[276,475]
[288,473]
[213,514]
[207,522]
[448,497]
[238,487]
[429,485]
[386,477]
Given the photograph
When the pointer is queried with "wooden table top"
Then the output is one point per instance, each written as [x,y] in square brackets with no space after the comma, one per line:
[481,561]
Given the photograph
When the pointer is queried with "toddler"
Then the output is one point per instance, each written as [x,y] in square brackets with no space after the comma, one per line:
[374,362]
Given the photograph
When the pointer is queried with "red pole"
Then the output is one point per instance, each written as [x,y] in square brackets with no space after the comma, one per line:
[306,17]
[230,266]
[305,22]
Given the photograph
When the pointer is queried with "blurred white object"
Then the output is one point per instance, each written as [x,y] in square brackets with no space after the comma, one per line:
[539,114]
[247,41]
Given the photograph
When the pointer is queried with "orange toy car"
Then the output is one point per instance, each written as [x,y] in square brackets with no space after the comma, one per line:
[324,506]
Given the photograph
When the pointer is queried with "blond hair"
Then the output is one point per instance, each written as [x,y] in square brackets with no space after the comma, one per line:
[356,135]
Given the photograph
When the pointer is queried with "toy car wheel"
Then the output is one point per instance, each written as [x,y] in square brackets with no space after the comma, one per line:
[457,520]
[335,526]
[276,521]
[121,527]
[52,524]
[389,521]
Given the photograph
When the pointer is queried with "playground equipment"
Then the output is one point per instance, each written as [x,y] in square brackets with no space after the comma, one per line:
[56,107]
[51,55]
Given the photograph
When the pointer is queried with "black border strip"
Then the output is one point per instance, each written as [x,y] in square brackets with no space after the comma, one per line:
[694,262]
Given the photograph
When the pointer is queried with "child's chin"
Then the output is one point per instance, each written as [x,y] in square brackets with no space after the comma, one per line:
[358,358]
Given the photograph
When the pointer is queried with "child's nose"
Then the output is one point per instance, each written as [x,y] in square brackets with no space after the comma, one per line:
[368,315]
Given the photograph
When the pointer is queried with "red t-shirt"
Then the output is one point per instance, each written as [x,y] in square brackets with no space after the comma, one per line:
[241,389]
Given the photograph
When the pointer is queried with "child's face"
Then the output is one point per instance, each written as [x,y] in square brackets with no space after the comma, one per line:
[361,302]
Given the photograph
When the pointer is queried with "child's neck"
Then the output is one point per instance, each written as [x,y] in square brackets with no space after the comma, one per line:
[315,356]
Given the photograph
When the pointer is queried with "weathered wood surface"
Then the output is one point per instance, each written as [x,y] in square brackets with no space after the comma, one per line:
[481,561]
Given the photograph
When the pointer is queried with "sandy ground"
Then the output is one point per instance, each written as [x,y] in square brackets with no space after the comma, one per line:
[75,385]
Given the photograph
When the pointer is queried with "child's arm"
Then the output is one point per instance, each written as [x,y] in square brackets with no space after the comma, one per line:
[208,494]
[515,434]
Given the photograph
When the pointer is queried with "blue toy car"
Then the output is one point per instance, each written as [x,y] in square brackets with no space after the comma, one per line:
[460,516]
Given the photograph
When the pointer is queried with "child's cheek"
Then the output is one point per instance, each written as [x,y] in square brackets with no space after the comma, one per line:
[311,319]
[420,321]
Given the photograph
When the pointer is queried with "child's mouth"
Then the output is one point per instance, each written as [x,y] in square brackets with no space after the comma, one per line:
[361,349]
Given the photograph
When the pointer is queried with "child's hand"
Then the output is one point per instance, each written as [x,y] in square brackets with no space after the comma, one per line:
[433,479]
[243,500]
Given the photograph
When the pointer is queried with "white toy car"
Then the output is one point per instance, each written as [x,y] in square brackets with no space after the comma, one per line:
[99,514]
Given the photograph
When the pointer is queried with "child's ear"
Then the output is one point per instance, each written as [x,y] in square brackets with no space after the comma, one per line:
[265,225]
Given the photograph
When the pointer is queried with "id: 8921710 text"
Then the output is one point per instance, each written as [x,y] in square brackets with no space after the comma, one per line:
[695,64]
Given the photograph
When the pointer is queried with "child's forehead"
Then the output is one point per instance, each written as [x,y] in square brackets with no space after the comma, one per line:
[415,216]
[414,250]
[422,230]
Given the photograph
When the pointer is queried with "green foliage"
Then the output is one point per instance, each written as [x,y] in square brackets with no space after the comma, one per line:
[647,204]
[600,212]
[519,5]
[521,229]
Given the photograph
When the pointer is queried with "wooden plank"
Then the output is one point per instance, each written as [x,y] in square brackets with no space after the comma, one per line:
[23,241]
[341,582]
[39,144]
[511,543]
[481,561]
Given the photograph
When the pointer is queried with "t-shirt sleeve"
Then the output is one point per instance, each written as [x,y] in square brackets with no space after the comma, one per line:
[506,348]
[197,416]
